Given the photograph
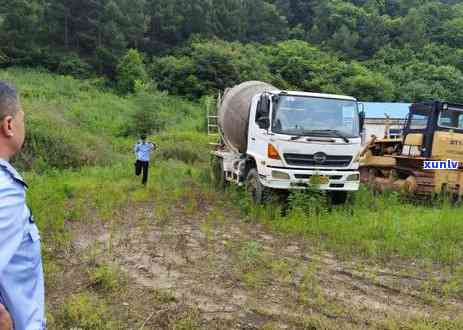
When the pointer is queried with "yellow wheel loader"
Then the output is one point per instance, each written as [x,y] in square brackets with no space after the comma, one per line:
[426,161]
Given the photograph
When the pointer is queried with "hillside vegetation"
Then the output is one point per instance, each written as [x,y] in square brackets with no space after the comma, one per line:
[74,123]
[375,50]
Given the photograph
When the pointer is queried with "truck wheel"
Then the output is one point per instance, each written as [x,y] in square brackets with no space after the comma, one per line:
[218,173]
[258,193]
[338,197]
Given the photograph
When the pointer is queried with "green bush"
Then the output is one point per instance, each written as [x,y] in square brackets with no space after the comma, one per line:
[188,147]
[86,312]
[72,64]
[182,151]
[106,278]
[131,72]
[67,63]
[309,202]
[153,114]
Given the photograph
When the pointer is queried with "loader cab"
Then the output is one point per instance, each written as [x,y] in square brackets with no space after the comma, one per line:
[430,127]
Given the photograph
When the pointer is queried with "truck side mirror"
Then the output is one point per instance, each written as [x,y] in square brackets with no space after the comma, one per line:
[361,120]
[263,107]
[263,122]
[263,112]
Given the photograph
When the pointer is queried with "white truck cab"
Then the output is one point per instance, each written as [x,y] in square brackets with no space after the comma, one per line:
[297,140]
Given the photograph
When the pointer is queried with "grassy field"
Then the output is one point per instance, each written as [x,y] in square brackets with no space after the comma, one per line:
[96,220]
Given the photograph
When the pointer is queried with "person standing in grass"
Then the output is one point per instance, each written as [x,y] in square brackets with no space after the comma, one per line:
[22,293]
[143,150]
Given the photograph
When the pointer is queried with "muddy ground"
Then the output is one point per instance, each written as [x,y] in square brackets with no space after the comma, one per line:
[210,268]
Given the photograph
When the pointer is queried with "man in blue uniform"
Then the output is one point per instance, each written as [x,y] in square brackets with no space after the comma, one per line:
[21,274]
[143,152]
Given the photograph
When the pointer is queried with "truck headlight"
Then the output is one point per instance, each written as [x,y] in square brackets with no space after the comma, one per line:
[353,177]
[272,152]
[280,175]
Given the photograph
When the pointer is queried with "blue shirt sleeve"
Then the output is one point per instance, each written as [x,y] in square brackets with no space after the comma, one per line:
[11,223]
[135,148]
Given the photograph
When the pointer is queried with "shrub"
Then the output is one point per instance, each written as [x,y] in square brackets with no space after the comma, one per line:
[73,65]
[131,72]
[67,64]
[105,277]
[151,115]
[182,151]
[86,312]
[309,202]
[187,147]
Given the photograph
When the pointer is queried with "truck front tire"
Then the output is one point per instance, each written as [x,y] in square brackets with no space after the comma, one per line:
[257,191]
[338,197]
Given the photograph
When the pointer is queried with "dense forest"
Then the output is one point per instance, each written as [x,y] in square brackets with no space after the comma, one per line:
[396,50]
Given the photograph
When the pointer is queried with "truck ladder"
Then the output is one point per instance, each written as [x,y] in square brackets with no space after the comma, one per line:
[212,121]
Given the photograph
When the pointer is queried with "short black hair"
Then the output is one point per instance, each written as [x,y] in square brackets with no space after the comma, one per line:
[8,99]
[143,137]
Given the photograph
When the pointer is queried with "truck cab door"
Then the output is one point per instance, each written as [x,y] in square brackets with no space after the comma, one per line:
[259,123]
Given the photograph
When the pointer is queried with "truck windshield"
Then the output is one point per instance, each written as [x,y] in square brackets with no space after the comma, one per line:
[300,115]
[451,118]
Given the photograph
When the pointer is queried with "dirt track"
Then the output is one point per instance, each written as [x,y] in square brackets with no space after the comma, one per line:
[212,266]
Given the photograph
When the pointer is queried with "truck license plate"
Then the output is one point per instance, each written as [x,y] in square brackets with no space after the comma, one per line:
[319,179]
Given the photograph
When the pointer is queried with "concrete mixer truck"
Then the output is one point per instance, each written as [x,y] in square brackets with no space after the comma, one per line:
[272,139]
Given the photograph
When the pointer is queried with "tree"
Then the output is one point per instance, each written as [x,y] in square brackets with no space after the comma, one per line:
[21,31]
[264,22]
[110,42]
[228,22]
[413,30]
[346,41]
[300,65]
[370,86]
[300,15]
[134,21]
[131,72]
[165,24]
[453,32]
[209,66]
[148,117]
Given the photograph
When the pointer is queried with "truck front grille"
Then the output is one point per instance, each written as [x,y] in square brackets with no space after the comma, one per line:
[308,160]
[308,176]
